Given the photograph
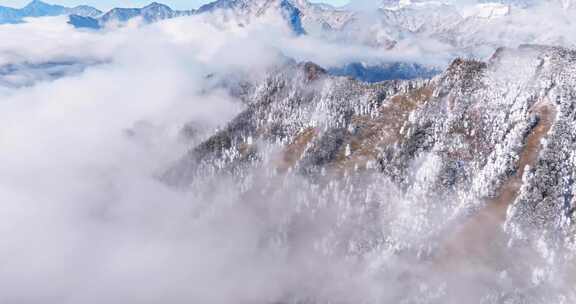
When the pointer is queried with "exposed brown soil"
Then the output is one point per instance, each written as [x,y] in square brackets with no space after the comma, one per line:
[373,134]
[476,237]
[296,149]
[385,129]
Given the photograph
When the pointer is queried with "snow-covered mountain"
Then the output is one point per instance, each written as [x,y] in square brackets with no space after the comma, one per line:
[414,182]
[151,13]
[37,8]
[148,14]
[470,28]
[300,16]
[242,12]
[315,16]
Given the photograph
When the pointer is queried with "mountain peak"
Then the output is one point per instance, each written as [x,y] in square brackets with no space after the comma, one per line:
[38,8]
[38,3]
[157,5]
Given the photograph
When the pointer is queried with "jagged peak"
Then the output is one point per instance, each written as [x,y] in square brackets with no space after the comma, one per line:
[151,6]
[157,5]
[39,3]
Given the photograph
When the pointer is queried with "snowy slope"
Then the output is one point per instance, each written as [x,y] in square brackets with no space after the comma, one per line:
[415,183]
[117,16]
[243,12]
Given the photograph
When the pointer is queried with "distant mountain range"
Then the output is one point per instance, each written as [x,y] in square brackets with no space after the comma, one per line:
[240,11]
[87,16]
[37,8]
[298,14]
[475,28]
[301,15]
[151,13]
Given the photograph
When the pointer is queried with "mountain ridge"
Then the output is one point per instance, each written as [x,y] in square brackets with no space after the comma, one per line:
[239,10]
[461,27]
[38,8]
[486,147]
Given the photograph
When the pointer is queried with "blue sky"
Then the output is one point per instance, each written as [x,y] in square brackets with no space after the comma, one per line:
[105,4]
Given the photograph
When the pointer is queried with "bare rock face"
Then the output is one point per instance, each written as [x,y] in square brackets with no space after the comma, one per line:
[416,182]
